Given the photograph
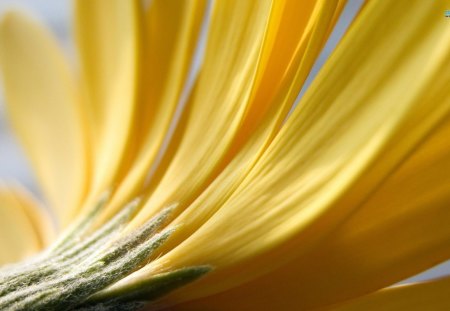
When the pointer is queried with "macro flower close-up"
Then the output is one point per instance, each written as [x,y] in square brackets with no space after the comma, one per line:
[188,158]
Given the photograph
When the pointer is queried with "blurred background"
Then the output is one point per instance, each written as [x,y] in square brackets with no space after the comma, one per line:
[56,14]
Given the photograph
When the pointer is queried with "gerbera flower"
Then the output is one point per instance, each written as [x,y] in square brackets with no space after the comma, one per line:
[182,109]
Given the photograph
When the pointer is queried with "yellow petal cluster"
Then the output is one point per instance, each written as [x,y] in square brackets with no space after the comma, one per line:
[188,102]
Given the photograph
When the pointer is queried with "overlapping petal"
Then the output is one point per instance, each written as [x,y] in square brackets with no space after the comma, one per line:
[341,143]
[256,102]
[346,197]
[46,112]
[368,251]
[218,104]
[168,42]
[292,68]
[108,35]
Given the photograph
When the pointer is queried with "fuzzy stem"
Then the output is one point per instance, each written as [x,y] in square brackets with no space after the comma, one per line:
[74,274]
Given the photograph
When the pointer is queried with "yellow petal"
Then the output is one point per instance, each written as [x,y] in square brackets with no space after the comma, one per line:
[107,36]
[45,110]
[399,231]
[339,145]
[292,67]
[247,84]
[171,31]
[290,73]
[430,295]
[219,101]
[24,227]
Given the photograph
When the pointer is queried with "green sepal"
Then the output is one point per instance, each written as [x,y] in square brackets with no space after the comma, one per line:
[153,288]
[85,263]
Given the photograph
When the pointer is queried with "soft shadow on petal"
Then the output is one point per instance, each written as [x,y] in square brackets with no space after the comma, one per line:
[399,231]
[218,104]
[248,83]
[283,82]
[339,146]
[170,30]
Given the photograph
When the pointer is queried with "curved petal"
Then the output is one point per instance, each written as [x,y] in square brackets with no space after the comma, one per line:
[341,143]
[254,87]
[228,71]
[290,72]
[24,227]
[107,33]
[399,231]
[171,29]
[45,110]
[430,295]
[292,66]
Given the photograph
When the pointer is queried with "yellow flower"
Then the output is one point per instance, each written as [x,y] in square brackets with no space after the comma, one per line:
[322,209]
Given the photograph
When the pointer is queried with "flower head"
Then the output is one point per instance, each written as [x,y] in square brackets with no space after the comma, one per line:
[182,109]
